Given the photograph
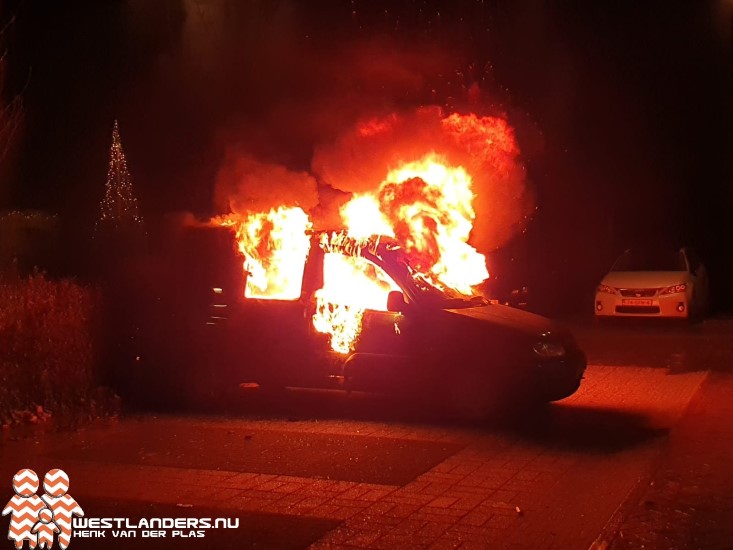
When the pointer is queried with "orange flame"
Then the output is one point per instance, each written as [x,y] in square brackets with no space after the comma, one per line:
[275,246]
[488,140]
[426,203]
[363,218]
[351,284]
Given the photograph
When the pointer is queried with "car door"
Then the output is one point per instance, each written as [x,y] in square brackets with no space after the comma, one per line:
[699,276]
[384,332]
[382,346]
[275,335]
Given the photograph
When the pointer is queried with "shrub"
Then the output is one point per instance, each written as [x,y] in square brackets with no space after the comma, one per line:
[46,344]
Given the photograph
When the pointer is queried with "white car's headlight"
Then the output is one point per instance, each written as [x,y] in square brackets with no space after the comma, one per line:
[674,289]
[549,349]
[607,289]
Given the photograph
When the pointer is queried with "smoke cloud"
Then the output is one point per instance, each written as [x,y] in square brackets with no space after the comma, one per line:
[359,112]
[245,184]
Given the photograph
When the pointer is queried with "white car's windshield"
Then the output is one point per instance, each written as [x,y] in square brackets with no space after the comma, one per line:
[650,260]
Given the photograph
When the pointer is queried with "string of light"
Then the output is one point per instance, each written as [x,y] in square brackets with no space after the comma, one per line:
[119,205]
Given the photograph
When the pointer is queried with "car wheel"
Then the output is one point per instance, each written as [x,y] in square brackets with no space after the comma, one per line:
[601,321]
[473,398]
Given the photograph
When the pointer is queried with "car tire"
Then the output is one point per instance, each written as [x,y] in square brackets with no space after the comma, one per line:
[473,398]
[600,321]
[697,312]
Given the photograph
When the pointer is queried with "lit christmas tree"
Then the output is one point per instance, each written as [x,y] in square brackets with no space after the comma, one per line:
[119,206]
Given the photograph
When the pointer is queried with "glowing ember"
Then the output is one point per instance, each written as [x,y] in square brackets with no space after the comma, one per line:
[275,246]
[488,140]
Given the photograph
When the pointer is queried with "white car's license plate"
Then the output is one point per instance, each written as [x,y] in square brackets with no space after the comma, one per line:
[634,302]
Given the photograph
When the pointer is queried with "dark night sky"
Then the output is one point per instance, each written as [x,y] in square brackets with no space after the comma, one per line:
[622,108]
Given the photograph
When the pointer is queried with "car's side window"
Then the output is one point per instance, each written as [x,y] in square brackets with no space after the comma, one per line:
[356,281]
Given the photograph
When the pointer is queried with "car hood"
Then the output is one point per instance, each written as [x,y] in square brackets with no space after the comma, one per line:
[645,279]
[509,318]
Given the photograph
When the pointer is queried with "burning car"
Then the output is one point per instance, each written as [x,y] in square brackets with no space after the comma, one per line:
[363,319]
[387,301]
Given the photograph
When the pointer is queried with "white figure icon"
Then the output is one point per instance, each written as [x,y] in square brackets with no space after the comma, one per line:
[45,529]
[23,508]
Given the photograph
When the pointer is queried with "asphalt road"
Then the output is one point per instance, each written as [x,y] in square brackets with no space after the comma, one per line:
[330,470]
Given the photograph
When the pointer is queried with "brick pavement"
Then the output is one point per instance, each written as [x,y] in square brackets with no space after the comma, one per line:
[553,485]
[688,502]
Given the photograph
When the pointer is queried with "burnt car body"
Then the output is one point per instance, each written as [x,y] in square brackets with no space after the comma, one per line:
[430,341]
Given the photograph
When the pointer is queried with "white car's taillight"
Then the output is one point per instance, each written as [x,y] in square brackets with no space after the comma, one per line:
[607,289]
[674,289]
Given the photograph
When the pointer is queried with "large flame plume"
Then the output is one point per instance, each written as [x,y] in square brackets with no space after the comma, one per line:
[427,206]
[484,146]
[417,186]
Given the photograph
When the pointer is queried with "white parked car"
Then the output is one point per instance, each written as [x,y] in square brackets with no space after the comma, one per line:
[654,283]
